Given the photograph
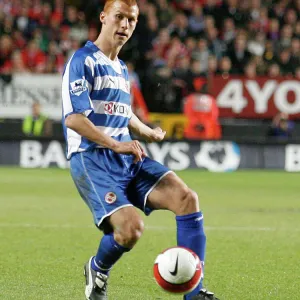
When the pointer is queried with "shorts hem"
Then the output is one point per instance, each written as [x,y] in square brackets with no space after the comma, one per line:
[152,188]
[111,212]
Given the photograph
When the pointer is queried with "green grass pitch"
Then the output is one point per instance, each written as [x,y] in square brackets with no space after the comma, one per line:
[252,221]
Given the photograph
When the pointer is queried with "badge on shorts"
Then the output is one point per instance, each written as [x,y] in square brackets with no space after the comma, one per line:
[110,197]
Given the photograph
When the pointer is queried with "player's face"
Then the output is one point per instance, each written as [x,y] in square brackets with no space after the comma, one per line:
[119,22]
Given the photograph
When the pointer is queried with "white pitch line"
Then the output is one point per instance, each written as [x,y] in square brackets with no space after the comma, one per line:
[29,225]
[148,227]
[229,228]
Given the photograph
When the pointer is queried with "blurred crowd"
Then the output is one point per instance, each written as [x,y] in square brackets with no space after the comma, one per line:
[38,36]
[175,40]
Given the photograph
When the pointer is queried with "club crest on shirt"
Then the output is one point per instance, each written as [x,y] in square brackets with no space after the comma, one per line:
[110,197]
[127,87]
[78,86]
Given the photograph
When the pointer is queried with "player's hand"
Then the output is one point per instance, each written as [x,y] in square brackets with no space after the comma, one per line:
[132,147]
[157,135]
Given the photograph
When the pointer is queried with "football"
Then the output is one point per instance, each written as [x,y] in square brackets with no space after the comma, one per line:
[177,270]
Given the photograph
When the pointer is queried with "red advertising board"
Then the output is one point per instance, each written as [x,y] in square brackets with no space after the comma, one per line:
[260,98]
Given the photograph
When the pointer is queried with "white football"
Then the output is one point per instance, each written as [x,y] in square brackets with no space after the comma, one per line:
[177,270]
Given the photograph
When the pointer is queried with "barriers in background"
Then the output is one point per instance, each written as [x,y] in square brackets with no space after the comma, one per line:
[236,96]
[173,124]
[220,156]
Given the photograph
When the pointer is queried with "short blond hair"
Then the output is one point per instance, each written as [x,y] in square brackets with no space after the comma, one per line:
[109,3]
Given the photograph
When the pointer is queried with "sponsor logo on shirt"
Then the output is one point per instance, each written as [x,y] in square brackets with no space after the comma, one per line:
[113,108]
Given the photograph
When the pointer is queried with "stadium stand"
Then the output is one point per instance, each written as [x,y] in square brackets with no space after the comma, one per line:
[175,43]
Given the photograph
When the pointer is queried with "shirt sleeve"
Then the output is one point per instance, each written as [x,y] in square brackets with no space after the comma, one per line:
[76,87]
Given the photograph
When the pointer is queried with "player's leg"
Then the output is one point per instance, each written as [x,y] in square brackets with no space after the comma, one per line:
[171,193]
[112,212]
[156,187]
[122,230]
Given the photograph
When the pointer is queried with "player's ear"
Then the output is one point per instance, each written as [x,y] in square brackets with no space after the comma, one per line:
[102,17]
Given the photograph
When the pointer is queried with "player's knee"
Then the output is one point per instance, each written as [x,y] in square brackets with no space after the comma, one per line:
[131,233]
[134,232]
[188,202]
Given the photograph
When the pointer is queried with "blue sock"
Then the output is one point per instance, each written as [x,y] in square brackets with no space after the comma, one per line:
[108,254]
[190,234]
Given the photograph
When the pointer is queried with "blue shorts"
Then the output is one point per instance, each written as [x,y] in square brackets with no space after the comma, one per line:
[108,181]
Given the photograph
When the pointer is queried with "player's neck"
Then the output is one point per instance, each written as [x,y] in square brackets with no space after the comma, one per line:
[107,48]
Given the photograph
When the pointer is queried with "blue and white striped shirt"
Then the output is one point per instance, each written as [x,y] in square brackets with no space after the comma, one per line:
[98,87]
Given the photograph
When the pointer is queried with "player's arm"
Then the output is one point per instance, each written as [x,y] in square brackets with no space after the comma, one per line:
[145,132]
[84,127]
